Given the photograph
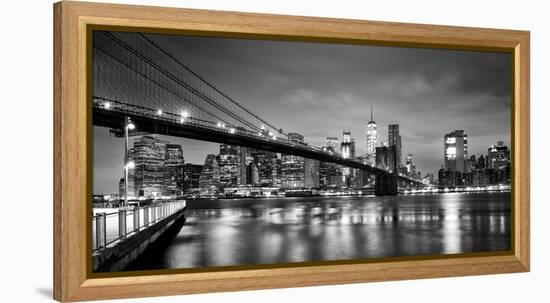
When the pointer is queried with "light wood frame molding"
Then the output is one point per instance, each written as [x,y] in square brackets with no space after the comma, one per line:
[72,281]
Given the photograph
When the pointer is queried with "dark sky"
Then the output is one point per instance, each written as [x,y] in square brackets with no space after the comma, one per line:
[319,90]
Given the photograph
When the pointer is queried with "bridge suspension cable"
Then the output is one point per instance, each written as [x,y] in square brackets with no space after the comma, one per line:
[156,83]
[164,81]
[209,83]
[179,82]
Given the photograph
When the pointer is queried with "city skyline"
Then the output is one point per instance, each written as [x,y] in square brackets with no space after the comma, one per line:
[405,87]
[209,149]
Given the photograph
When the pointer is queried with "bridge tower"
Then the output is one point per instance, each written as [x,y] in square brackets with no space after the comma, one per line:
[386,185]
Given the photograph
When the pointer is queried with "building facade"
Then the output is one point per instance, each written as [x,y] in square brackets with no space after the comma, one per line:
[409,166]
[332,144]
[149,156]
[209,180]
[293,167]
[394,139]
[192,173]
[455,151]
[371,140]
[311,177]
[498,156]
[174,170]
[228,165]
[347,147]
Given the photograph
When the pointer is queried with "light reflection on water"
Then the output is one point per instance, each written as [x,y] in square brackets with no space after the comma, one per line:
[243,232]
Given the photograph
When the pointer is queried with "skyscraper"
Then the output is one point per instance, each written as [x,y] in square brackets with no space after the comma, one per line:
[173,170]
[311,177]
[498,161]
[209,180]
[455,151]
[409,165]
[471,164]
[481,164]
[192,173]
[371,140]
[394,139]
[332,144]
[498,156]
[242,164]
[293,167]
[228,165]
[347,147]
[252,174]
[264,163]
[149,154]
[276,171]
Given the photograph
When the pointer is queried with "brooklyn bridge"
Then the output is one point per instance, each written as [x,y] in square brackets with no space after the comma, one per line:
[135,79]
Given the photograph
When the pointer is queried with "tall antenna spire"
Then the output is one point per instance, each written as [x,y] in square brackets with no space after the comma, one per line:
[371,112]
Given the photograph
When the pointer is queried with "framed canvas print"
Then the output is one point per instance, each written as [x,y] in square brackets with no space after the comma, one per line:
[201,151]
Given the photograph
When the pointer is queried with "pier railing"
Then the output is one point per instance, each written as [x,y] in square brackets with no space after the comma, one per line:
[111,227]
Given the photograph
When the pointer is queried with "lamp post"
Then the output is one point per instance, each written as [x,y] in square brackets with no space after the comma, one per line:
[128,125]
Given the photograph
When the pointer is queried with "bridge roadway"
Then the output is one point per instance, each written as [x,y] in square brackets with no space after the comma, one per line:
[113,114]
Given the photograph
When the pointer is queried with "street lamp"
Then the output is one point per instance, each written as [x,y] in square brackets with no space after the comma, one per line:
[184,116]
[128,125]
[159,112]
[130,165]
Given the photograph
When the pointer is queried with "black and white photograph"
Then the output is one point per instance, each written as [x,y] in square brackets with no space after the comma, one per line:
[215,152]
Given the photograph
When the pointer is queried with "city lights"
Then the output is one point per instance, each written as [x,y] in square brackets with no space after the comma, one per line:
[348,181]
[451,152]
[130,165]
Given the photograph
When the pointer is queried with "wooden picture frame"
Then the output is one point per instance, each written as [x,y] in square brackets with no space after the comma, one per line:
[72,170]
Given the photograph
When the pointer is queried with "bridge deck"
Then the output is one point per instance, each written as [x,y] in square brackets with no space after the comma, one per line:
[148,120]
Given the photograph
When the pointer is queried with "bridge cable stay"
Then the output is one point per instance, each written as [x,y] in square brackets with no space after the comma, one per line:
[148,83]
[157,84]
[179,82]
[117,73]
[194,76]
[127,66]
[191,75]
[209,83]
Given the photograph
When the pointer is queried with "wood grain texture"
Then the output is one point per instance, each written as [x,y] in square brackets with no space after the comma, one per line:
[71,145]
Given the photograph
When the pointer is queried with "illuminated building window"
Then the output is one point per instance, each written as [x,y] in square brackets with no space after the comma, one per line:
[450,140]
[451,152]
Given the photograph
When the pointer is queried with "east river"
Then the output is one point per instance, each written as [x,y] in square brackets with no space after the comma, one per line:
[282,230]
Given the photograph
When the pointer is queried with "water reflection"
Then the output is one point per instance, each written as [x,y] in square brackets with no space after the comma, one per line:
[241,232]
